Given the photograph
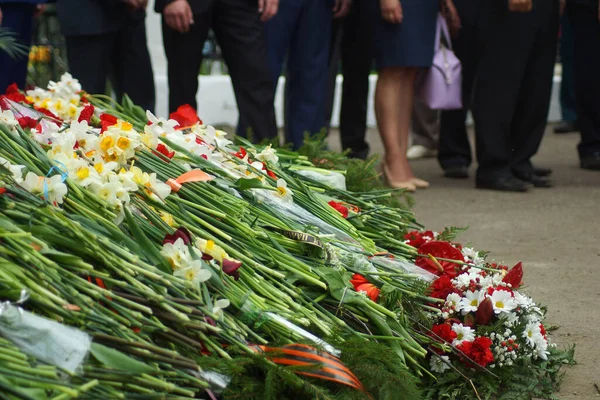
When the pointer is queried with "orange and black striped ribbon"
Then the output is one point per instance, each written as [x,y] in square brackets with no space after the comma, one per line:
[326,366]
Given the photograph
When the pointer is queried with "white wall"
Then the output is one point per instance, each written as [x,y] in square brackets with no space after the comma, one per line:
[216,101]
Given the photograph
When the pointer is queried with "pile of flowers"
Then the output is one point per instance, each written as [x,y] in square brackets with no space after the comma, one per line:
[228,248]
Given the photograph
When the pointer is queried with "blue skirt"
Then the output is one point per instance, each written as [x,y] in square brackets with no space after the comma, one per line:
[410,43]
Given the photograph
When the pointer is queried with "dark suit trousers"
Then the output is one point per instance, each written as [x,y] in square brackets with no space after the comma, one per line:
[353,47]
[513,86]
[454,147]
[239,32]
[586,35]
[120,56]
[568,104]
[18,18]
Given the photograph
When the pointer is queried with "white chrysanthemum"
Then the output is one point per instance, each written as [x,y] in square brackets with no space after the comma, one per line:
[502,301]
[453,300]
[541,348]
[523,301]
[471,301]
[439,364]
[463,334]
[533,334]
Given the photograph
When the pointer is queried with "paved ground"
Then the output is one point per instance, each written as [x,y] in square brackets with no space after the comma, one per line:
[555,232]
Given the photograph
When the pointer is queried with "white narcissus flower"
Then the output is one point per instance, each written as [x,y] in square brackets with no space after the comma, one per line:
[15,170]
[268,155]
[56,189]
[283,190]
[219,306]
[159,126]
[177,254]
[194,272]
[212,136]
[8,118]
[471,301]
[503,301]
[439,364]
[463,334]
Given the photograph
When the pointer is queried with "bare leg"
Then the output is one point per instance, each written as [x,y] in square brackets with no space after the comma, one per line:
[393,108]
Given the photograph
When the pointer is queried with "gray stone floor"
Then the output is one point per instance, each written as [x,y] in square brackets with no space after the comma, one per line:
[555,232]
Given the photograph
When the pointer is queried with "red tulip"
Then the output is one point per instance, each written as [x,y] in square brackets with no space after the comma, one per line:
[86,114]
[439,249]
[231,267]
[514,276]
[186,116]
[485,312]
[361,284]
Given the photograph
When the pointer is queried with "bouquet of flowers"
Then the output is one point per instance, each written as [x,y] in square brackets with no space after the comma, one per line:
[486,326]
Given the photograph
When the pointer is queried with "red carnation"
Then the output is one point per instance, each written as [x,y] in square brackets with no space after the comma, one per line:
[162,149]
[439,249]
[27,122]
[480,351]
[514,276]
[339,208]
[186,116]
[86,114]
[443,332]
[180,233]
[13,93]
[106,121]
[416,239]
[361,284]
[441,287]
[231,268]
[543,331]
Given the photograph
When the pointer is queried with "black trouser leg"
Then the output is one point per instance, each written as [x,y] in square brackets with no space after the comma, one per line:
[586,35]
[335,55]
[508,42]
[240,34]
[529,122]
[357,61]
[132,67]
[184,56]
[454,146]
[89,59]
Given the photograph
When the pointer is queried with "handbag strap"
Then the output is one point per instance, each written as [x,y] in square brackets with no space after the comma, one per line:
[442,28]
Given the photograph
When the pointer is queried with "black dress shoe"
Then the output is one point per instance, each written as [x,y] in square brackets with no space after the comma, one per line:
[542,171]
[457,172]
[591,162]
[508,184]
[566,127]
[536,180]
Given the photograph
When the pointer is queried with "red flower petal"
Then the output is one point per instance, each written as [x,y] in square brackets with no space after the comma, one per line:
[339,208]
[231,267]
[185,115]
[439,249]
[86,114]
[514,276]
[180,233]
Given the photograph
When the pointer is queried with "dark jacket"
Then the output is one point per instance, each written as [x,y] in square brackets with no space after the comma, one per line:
[589,3]
[198,6]
[93,17]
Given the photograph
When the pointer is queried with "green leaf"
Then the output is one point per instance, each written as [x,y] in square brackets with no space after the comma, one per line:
[114,359]
[245,184]
[150,252]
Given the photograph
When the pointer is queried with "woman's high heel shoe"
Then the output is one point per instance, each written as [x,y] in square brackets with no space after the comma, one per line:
[419,183]
[409,186]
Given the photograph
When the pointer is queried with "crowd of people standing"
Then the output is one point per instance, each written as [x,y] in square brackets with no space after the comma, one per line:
[507,49]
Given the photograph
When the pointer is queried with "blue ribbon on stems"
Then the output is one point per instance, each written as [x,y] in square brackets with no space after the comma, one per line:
[62,173]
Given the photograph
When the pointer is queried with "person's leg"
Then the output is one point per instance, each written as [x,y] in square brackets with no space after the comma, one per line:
[425,131]
[335,55]
[184,56]
[307,71]
[357,61]
[567,86]
[17,18]
[454,151]
[393,107]
[240,34]
[89,59]
[531,114]
[586,35]
[508,40]
[132,67]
